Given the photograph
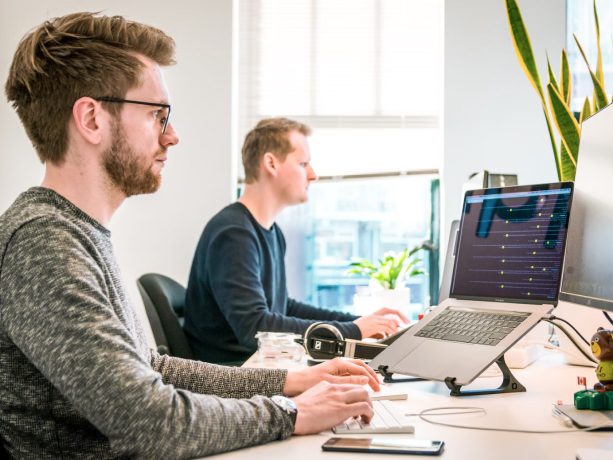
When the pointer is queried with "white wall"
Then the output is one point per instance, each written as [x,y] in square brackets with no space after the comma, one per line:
[156,232]
[492,116]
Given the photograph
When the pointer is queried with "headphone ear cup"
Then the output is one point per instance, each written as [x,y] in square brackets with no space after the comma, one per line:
[323,341]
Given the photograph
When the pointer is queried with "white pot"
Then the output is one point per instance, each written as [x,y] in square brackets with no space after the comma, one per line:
[367,303]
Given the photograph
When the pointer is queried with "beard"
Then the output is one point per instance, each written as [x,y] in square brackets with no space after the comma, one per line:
[129,172]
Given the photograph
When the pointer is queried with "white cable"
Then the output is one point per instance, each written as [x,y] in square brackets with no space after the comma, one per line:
[457,410]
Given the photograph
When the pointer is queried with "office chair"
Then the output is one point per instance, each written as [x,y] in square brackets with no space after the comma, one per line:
[164,301]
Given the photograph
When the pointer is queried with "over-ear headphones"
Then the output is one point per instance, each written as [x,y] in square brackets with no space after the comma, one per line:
[325,341]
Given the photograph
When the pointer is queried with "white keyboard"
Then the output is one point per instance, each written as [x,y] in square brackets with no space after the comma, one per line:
[384,421]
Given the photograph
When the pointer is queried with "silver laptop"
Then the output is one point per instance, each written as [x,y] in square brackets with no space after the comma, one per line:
[506,277]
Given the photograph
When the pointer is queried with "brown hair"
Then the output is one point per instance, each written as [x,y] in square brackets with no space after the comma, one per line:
[269,135]
[81,54]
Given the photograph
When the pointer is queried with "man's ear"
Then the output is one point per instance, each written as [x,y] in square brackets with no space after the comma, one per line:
[88,118]
[270,163]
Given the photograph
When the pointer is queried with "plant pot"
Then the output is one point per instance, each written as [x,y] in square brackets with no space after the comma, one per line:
[366,303]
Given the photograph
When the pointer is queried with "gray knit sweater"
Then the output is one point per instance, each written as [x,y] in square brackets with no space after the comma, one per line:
[77,379]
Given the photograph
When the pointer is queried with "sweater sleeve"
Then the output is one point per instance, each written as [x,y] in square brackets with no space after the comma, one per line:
[55,309]
[223,381]
[238,290]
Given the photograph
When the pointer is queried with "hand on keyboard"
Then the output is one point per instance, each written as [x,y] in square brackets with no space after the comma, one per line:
[326,405]
[385,420]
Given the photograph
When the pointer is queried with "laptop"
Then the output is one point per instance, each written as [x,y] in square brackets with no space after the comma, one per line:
[506,277]
[444,291]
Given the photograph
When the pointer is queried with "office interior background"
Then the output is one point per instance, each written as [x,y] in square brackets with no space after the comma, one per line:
[407,98]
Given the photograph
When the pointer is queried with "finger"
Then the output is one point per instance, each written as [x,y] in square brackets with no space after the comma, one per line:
[392,311]
[357,367]
[360,409]
[353,394]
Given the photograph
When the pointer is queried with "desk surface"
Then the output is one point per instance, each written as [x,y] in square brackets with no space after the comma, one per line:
[547,381]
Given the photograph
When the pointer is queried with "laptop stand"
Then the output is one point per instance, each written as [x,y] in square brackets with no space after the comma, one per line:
[509,383]
[387,376]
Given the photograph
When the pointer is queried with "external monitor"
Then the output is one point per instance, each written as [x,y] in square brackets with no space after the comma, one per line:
[588,269]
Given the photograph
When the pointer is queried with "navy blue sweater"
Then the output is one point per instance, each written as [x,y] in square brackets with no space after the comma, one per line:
[237,287]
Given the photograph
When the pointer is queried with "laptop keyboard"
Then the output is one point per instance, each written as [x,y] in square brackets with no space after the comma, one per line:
[472,326]
[384,421]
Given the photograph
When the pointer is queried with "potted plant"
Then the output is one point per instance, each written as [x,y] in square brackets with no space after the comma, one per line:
[387,276]
[556,106]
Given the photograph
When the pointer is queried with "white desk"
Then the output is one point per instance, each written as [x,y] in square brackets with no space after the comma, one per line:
[547,381]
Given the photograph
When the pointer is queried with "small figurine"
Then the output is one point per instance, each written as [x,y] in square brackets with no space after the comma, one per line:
[602,349]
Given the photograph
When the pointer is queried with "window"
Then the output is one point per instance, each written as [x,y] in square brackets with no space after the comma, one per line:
[580,21]
[366,75]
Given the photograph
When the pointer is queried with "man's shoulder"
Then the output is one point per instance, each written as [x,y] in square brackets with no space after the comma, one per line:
[35,218]
[234,216]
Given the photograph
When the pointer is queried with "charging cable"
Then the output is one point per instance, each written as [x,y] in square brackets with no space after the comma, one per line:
[461,410]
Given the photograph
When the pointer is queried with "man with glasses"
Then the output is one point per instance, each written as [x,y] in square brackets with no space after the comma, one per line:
[77,378]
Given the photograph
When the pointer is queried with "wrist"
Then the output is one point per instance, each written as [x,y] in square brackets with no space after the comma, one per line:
[287,406]
[294,383]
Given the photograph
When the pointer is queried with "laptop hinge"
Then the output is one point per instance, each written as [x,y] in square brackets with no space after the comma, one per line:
[509,383]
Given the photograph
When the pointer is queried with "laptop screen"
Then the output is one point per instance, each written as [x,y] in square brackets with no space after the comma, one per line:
[511,243]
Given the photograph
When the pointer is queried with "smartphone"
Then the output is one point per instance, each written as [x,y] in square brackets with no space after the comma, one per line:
[384,446]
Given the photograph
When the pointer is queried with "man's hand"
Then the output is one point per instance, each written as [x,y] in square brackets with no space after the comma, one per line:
[337,371]
[326,405]
[379,324]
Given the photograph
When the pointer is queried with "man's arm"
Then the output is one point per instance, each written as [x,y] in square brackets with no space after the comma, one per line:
[342,321]
[223,381]
[234,268]
[56,310]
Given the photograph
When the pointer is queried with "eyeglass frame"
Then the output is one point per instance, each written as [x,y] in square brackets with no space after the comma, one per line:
[131,101]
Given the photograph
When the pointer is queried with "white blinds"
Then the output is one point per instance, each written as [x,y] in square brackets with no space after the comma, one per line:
[365,74]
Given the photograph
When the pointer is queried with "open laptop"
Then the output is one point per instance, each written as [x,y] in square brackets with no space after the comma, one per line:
[506,277]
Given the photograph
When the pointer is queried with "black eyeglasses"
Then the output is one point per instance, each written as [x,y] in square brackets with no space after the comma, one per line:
[163,117]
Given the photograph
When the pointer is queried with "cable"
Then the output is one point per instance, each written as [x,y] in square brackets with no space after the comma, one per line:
[554,318]
[572,339]
[479,410]
[607,316]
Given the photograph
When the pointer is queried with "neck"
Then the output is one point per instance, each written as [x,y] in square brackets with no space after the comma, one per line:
[86,188]
[262,203]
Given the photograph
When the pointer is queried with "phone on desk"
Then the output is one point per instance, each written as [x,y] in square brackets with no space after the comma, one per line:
[384,446]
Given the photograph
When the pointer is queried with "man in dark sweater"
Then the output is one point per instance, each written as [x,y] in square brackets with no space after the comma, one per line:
[77,377]
[237,284]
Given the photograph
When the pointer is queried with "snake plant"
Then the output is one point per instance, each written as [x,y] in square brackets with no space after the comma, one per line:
[555,99]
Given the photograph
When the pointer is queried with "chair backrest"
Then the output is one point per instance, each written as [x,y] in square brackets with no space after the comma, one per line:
[164,301]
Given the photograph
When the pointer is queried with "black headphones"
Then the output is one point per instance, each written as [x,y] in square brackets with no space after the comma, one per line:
[324,341]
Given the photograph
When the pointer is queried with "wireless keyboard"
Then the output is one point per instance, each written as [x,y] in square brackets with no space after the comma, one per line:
[384,421]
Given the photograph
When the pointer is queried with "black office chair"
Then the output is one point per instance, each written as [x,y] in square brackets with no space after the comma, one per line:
[164,301]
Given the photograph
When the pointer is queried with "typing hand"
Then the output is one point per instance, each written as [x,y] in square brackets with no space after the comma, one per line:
[381,323]
[337,371]
[326,405]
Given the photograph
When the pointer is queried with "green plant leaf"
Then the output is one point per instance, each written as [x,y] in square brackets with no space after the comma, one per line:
[568,167]
[552,76]
[586,111]
[600,96]
[566,123]
[599,69]
[525,56]
[565,78]
[523,47]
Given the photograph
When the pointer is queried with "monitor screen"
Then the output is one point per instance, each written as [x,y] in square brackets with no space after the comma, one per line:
[588,268]
[511,243]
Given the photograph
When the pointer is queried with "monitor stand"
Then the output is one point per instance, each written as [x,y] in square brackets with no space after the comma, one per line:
[509,383]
